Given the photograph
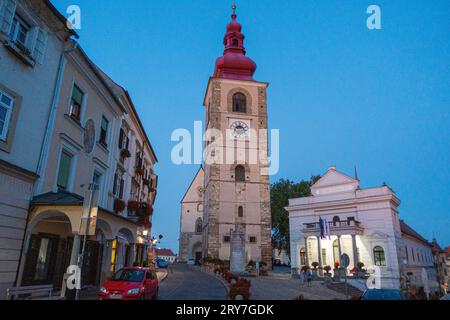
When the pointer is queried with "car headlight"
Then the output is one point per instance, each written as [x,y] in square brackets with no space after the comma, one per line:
[103,290]
[134,291]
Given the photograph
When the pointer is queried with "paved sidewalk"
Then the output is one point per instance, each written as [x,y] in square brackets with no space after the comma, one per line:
[267,288]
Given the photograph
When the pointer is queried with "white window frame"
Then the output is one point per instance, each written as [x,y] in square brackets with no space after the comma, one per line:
[9,112]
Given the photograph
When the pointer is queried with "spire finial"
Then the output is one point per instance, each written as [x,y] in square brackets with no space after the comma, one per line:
[233,16]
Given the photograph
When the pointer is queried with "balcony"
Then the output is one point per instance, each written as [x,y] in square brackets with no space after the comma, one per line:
[338,228]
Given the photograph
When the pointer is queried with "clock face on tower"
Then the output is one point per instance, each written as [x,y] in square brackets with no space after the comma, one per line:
[239,129]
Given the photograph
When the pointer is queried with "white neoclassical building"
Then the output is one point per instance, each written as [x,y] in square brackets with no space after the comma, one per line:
[363,223]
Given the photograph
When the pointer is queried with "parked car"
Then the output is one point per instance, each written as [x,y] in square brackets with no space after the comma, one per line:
[134,283]
[161,263]
[382,294]
[191,261]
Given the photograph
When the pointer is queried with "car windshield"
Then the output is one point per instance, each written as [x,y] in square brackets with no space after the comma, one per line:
[382,295]
[128,275]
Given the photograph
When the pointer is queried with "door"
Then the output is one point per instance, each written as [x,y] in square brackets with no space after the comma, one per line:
[40,260]
[198,257]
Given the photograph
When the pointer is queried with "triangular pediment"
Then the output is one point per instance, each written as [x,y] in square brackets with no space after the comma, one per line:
[196,188]
[334,181]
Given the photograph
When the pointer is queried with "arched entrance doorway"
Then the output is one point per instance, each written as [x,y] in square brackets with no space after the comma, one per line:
[123,249]
[197,251]
[48,249]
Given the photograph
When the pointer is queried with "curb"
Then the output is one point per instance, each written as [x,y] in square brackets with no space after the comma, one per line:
[166,273]
[222,282]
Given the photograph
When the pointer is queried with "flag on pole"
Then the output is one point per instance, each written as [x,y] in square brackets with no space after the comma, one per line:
[322,228]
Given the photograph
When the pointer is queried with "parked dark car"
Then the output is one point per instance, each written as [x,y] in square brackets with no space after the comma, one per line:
[161,263]
[382,294]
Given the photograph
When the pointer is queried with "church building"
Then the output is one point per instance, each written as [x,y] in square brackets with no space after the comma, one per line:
[236,187]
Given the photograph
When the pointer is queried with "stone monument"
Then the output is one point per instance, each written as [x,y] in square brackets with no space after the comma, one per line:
[237,248]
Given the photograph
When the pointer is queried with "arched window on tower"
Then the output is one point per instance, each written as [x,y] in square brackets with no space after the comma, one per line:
[240,211]
[199,225]
[239,173]
[235,43]
[239,103]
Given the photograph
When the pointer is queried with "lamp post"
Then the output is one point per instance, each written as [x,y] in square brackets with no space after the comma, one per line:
[93,187]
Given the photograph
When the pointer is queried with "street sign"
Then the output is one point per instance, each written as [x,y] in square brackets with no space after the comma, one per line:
[345,260]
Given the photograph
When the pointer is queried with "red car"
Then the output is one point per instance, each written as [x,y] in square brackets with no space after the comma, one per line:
[130,284]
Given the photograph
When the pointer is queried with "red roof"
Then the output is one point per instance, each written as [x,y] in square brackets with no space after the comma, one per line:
[406,229]
[164,252]
[234,64]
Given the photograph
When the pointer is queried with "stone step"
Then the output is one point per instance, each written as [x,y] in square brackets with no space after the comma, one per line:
[340,287]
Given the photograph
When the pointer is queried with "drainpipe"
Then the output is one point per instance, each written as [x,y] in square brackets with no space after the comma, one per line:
[43,155]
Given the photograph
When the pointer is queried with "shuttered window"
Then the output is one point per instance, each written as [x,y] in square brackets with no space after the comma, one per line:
[64,170]
[104,131]
[7,11]
[76,102]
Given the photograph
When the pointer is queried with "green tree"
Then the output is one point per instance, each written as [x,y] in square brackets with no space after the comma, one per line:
[280,193]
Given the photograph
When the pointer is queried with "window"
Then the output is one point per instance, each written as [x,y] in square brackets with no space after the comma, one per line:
[337,257]
[200,207]
[76,102]
[65,164]
[199,225]
[239,103]
[252,239]
[336,221]
[19,31]
[240,211]
[124,141]
[6,108]
[226,239]
[378,256]
[302,256]
[407,254]
[118,185]
[324,256]
[104,132]
[239,173]
[235,43]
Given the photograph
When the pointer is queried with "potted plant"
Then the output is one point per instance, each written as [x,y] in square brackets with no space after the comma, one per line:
[327,270]
[139,171]
[119,205]
[337,271]
[361,273]
[133,205]
[125,153]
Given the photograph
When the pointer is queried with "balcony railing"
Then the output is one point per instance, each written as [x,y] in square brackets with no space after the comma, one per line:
[336,227]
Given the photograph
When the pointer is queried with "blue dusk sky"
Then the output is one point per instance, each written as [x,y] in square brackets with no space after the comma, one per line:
[340,94]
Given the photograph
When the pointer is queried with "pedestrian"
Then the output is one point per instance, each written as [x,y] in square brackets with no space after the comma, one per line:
[309,278]
[302,277]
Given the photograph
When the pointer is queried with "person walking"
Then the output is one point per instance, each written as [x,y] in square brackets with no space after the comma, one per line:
[309,278]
